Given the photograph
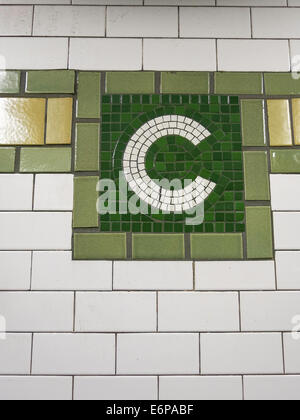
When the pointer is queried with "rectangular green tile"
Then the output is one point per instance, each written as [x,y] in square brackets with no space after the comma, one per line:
[217,246]
[7,159]
[10,81]
[50,81]
[185,82]
[281,84]
[130,82]
[158,247]
[85,213]
[259,233]
[46,159]
[88,103]
[253,122]
[285,161]
[239,83]
[100,246]
[256,176]
[87,147]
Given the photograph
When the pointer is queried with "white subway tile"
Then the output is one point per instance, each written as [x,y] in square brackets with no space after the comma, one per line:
[30,388]
[69,21]
[110,2]
[34,311]
[180,54]
[115,311]
[293,2]
[143,22]
[253,55]
[41,231]
[269,311]
[265,22]
[55,270]
[285,192]
[295,54]
[179,2]
[288,270]
[15,354]
[272,388]
[74,354]
[38,1]
[157,354]
[34,53]
[235,275]
[292,349]
[105,54]
[16,192]
[15,270]
[53,192]
[215,22]
[153,275]
[236,354]
[285,226]
[252,2]
[16,20]
[192,312]
[111,388]
[189,388]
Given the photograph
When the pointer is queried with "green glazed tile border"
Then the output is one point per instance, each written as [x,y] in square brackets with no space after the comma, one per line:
[130,82]
[253,126]
[259,233]
[178,92]
[256,176]
[45,159]
[50,81]
[239,83]
[7,159]
[158,247]
[217,246]
[285,161]
[100,246]
[87,147]
[88,95]
[10,81]
[185,82]
[85,213]
[281,84]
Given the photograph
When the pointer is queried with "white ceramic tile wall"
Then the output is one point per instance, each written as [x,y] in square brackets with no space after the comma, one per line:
[103,330]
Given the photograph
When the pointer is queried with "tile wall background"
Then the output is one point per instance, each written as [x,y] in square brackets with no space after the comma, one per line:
[104,330]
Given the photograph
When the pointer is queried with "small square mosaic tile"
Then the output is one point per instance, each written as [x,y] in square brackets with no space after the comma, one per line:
[166,165]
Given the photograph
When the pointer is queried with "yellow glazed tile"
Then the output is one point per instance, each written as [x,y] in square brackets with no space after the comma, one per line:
[296,120]
[22,121]
[279,122]
[59,121]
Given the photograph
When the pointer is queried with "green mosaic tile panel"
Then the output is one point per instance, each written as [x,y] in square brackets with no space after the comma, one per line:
[185,82]
[285,161]
[130,82]
[256,176]
[87,147]
[259,233]
[45,159]
[7,159]
[217,246]
[97,246]
[88,96]
[281,84]
[10,81]
[53,81]
[239,83]
[217,158]
[158,247]
[253,125]
[85,213]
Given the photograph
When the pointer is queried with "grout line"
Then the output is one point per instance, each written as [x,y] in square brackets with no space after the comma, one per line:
[243,387]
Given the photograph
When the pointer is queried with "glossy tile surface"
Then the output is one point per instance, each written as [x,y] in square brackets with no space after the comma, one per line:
[59,120]
[9,81]
[285,161]
[130,82]
[85,200]
[99,246]
[87,147]
[158,247]
[296,120]
[88,95]
[253,123]
[60,81]
[259,232]
[45,159]
[280,130]
[22,121]
[7,159]
[217,246]
[238,83]
[256,176]
[185,82]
